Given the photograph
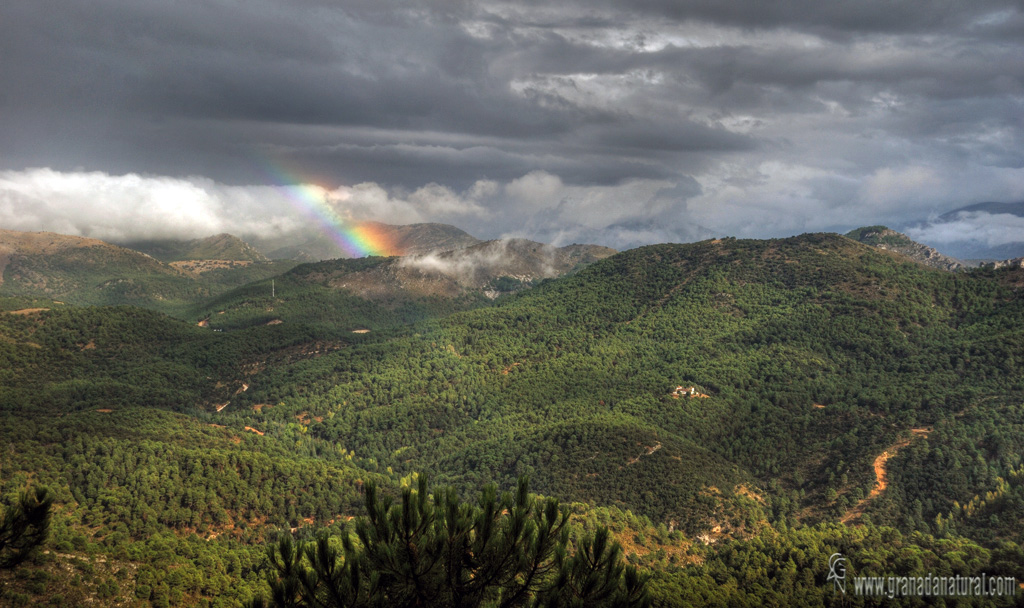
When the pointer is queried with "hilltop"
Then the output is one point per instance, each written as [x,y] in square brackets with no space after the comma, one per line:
[993,208]
[217,247]
[890,240]
[415,239]
[52,265]
[82,271]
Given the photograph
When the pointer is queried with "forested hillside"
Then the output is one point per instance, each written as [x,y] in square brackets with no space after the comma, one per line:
[84,271]
[377,292]
[217,247]
[729,408]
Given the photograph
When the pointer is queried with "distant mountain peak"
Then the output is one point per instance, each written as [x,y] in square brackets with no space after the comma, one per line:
[882,237]
[45,264]
[412,239]
[987,207]
[223,246]
[406,239]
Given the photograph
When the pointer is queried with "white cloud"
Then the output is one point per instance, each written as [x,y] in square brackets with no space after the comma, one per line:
[436,200]
[369,201]
[889,186]
[131,207]
[432,202]
[772,198]
[118,207]
[462,265]
[536,190]
[782,197]
[972,227]
[541,196]
[538,205]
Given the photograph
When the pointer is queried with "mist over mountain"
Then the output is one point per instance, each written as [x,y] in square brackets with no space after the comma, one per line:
[983,231]
[519,259]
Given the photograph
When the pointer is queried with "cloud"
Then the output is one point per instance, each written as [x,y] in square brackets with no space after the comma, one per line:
[623,121]
[773,198]
[542,80]
[124,207]
[432,202]
[130,207]
[890,186]
[464,265]
[991,229]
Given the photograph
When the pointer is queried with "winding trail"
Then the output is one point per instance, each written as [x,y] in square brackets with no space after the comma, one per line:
[880,484]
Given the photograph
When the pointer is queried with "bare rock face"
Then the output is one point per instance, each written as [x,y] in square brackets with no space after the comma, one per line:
[883,238]
[1014,263]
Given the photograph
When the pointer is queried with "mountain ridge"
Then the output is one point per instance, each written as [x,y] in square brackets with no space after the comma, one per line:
[480,266]
[221,246]
[83,270]
[886,239]
[20,251]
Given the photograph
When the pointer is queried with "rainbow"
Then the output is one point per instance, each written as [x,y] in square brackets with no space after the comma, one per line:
[357,239]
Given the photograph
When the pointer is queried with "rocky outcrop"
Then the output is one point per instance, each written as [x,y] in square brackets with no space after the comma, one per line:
[886,239]
[1014,263]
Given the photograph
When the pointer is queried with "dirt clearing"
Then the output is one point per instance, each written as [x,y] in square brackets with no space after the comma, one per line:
[880,468]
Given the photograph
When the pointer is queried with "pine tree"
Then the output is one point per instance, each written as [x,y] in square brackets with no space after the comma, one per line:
[435,550]
[24,526]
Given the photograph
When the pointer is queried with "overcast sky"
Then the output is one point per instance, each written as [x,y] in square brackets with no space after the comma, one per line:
[612,121]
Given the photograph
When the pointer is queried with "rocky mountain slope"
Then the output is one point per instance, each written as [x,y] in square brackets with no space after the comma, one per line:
[890,240]
[1012,263]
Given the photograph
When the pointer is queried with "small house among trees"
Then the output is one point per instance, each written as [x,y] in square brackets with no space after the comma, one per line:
[688,391]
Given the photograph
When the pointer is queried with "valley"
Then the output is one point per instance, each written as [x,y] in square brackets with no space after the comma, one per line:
[734,411]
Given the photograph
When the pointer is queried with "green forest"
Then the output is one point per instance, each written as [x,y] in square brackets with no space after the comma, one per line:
[721,409]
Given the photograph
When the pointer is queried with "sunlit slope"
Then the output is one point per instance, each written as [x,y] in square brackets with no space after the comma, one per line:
[725,389]
[85,271]
[815,353]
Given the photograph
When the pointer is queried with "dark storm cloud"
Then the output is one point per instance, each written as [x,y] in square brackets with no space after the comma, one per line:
[861,16]
[754,118]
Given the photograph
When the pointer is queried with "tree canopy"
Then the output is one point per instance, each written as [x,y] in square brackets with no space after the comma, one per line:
[436,550]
